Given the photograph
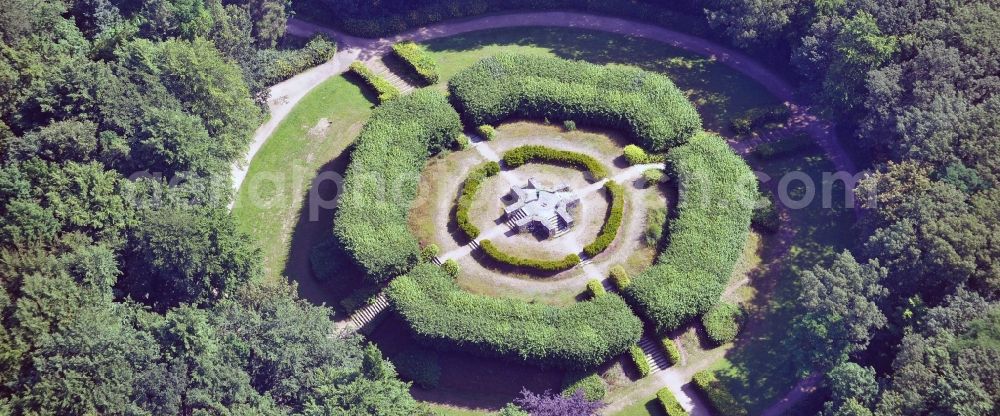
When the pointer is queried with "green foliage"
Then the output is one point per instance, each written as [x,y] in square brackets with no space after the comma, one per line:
[381,181]
[569,125]
[720,399]
[645,105]
[722,322]
[470,188]
[673,351]
[758,117]
[487,132]
[521,155]
[595,288]
[545,266]
[620,277]
[444,316]
[640,360]
[451,267]
[592,384]
[706,239]
[283,64]
[611,224]
[463,142]
[656,219]
[385,90]
[418,59]
[653,176]
[635,155]
[670,404]
[429,252]
[420,365]
[780,148]
[765,214]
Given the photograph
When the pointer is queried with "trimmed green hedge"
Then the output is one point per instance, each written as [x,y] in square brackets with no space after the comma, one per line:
[279,65]
[595,288]
[719,399]
[722,322]
[381,181]
[673,352]
[645,105]
[469,190]
[418,59]
[670,403]
[591,383]
[444,316]
[383,88]
[640,360]
[611,224]
[717,191]
[521,155]
[547,266]
[620,277]
[487,132]
[635,155]
[419,365]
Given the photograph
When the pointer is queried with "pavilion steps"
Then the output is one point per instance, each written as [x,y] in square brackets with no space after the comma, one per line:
[379,68]
[365,319]
[655,354]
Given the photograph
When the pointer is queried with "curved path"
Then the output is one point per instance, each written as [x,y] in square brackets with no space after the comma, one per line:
[285,95]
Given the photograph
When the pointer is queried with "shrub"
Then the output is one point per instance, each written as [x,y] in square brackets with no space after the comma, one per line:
[595,288]
[656,218]
[635,155]
[639,358]
[757,117]
[279,65]
[765,214]
[717,189]
[645,105]
[533,153]
[429,252]
[487,132]
[620,277]
[495,253]
[462,141]
[673,352]
[653,176]
[444,316]
[383,88]
[569,125]
[382,178]
[722,322]
[419,365]
[717,396]
[611,224]
[418,59]
[469,191]
[670,404]
[591,384]
[450,266]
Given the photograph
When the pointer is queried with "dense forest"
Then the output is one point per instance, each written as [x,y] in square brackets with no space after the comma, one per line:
[127,288]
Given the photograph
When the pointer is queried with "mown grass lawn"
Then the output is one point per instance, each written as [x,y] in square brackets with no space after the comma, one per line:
[647,407]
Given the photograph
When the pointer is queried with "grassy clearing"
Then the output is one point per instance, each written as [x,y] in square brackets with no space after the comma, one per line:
[269,206]
[646,407]
[719,92]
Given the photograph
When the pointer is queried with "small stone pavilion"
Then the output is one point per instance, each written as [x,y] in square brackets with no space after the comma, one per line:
[534,206]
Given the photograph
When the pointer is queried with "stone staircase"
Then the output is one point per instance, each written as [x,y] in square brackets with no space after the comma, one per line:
[436,261]
[474,245]
[655,354]
[364,319]
[512,218]
[379,68]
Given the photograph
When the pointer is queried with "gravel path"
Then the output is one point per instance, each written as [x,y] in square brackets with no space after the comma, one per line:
[285,95]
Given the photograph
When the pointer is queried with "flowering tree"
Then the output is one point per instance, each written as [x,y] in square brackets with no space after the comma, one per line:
[550,404]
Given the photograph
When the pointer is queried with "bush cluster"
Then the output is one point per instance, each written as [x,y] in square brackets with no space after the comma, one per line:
[757,117]
[719,399]
[620,277]
[765,214]
[635,155]
[469,191]
[533,153]
[640,360]
[429,252]
[673,352]
[381,181]
[595,288]
[487,132]
[385,90]
[451,267]
[579,336]
[592,384]
[418,59]
[419,365]
[670,404]
[611,224]
[722,322]
[569,125]
[656,219]
[717,191]
[279,65]
[546,266]
[645,105]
